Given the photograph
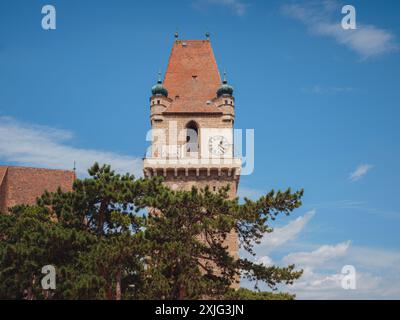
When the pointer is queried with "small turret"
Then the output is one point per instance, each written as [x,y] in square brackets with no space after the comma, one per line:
[225,88]
[225,101]
[159,101]
[159,89]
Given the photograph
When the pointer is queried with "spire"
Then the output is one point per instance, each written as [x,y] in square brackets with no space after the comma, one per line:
[159,77]
[224,81]
[207,36]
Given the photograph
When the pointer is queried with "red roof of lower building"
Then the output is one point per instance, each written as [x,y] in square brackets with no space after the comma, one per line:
[21,185]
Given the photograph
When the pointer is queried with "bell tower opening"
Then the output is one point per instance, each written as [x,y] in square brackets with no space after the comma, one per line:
[192,139]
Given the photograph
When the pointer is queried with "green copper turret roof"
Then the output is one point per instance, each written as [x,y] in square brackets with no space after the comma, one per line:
[159,88]
[225,88]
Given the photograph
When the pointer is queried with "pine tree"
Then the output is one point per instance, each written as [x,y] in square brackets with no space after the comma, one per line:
[189,259]
[105,246]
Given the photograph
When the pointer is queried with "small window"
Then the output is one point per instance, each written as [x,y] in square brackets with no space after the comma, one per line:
[226,101]
[158,101]
[192,137]
[194,77]
[214,188]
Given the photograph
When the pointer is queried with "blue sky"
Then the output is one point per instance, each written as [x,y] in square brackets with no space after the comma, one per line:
[324,105]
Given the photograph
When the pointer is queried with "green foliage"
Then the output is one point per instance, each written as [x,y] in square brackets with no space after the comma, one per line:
[103,248]
[246,294]
[31,240]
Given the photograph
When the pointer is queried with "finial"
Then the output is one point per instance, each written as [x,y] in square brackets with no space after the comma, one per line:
[225,80]
[74,166]
[159,77]
[207,35]
[176,35]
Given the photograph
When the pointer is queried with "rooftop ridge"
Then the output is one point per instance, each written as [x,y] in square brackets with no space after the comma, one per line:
[33,168]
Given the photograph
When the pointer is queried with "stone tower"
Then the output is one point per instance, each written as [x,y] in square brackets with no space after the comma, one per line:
[192,115]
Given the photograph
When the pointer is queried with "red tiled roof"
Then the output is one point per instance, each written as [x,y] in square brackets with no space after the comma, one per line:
[19,185]
[192,77]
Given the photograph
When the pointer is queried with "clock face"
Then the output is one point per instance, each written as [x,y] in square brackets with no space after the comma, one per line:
[218,145]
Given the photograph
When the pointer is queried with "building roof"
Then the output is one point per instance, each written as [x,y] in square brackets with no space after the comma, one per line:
[192,77]
[3,171]
[21,185]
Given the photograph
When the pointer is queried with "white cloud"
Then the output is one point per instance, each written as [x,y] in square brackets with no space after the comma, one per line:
[317,257]
[41,146]
[265,261]
[377,269]
[286,233]
[250,193]
[376,272]
[375,258]
[366,40]
[318,285]
[323,18]
[238,7]
[360,172]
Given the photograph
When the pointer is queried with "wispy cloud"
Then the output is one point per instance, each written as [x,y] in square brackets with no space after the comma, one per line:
[323,18]
[238,7]
[321,90]
[360,172]
[250,193]
[319,256]
[286,233]
[359,206]
[33,145]
[341,204]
